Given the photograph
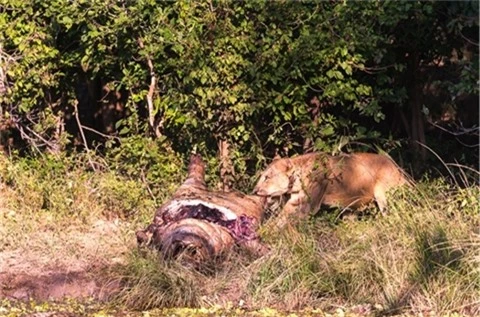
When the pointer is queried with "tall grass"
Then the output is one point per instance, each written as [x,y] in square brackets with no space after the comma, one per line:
[52,194]
[421,257]
[150,282]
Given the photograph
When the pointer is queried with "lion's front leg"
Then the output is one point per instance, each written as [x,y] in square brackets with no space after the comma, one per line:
[303,202]
[296,208]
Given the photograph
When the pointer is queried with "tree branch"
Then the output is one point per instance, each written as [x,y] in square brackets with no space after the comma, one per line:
[151,90]
[77,118]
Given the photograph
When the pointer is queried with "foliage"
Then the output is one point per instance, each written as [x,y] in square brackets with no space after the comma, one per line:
[147,160]
[263,75]
[63,186]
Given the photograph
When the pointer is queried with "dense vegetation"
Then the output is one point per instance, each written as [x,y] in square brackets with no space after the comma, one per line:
[263,76]
[102,101]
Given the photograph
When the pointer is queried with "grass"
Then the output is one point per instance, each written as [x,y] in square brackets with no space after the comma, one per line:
[422,257]
[151,282]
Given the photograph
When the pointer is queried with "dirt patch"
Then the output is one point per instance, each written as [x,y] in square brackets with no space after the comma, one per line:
[52,286]
[47,262]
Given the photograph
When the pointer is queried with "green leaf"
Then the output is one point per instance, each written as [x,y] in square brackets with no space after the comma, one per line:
[124,131]
[327,130]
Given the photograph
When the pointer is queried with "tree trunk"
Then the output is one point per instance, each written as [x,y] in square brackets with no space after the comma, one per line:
[227,171]
[198,225]
[417,126]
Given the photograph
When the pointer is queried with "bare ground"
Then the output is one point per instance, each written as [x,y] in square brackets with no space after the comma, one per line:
[45,262]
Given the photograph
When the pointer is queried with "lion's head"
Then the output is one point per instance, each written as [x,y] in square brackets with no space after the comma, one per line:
[275,180]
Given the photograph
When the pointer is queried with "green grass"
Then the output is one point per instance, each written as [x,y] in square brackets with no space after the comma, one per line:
[421,257]
[150,282]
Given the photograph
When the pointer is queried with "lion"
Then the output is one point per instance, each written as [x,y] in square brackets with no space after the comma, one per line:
[347,180]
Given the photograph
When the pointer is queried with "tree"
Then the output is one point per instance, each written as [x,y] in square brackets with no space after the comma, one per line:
[253,77]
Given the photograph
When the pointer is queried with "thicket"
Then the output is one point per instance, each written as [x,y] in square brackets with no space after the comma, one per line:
[259,76]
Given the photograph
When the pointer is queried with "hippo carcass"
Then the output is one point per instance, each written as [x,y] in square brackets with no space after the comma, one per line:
[199,225]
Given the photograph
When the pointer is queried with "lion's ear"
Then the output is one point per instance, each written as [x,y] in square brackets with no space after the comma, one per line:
[276,157]
[289,165]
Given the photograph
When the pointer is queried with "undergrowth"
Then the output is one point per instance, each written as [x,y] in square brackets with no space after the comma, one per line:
[152,282]
[50,193]
[422,256]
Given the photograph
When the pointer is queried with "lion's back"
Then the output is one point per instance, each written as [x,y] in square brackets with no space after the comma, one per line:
[354,178]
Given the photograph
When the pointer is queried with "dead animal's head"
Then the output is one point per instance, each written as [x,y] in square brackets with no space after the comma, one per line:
[194,241]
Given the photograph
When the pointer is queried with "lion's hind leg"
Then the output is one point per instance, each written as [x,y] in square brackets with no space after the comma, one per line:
[380,195]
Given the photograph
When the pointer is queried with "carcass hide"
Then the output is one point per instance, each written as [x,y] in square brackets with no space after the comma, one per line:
[199,225]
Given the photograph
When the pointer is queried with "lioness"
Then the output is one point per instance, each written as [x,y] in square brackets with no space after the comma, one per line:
[315,179]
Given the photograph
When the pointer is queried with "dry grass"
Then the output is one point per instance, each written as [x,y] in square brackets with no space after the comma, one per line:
[422,257]
[57,219]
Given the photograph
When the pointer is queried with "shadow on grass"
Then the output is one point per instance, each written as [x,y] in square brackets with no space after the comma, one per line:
[435,256]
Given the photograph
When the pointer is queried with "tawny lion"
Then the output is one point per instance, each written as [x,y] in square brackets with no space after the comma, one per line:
[315,179]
